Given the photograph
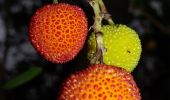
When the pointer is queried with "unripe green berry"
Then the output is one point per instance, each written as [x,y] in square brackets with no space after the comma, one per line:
[123,46]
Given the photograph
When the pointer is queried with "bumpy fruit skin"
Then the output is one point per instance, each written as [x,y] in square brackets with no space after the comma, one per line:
[58,31]
[123,46]
[100,82]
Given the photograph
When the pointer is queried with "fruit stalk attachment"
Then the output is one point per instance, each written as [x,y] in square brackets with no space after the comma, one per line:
[98,56]
[105,13]
[100,13]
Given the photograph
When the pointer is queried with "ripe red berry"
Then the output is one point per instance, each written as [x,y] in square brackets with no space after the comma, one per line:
[100,82]
[58,31]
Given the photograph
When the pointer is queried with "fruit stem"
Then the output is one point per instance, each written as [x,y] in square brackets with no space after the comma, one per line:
[97,13]
[105,13]
[98,56]
[55,1]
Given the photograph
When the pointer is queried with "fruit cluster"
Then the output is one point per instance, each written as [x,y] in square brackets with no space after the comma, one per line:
[58,32]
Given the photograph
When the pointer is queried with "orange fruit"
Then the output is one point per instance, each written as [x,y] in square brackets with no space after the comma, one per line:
[58,31]
[100,82]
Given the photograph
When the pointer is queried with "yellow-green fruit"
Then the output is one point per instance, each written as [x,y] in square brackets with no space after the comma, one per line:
[123,46]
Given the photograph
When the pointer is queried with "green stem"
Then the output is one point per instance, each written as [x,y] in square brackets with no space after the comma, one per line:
[97,13]
[105,13]
[55,1]
[98,56]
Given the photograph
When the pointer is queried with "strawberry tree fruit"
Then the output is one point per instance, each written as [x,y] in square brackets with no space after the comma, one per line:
[123,46]
[58,31]
[100,82]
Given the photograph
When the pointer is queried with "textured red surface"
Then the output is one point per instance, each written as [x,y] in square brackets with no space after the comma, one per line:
[100,82]
[58,31]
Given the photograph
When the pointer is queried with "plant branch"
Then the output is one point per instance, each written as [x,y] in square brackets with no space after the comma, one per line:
[98,56]
[105,13]
[98,16]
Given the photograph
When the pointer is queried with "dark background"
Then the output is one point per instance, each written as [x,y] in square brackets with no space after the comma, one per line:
[150,18]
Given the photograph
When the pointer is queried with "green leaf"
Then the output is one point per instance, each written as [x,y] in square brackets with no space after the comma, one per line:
[23,78]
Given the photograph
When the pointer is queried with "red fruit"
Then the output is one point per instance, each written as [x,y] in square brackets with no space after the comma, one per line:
[58,31]
[100,82]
